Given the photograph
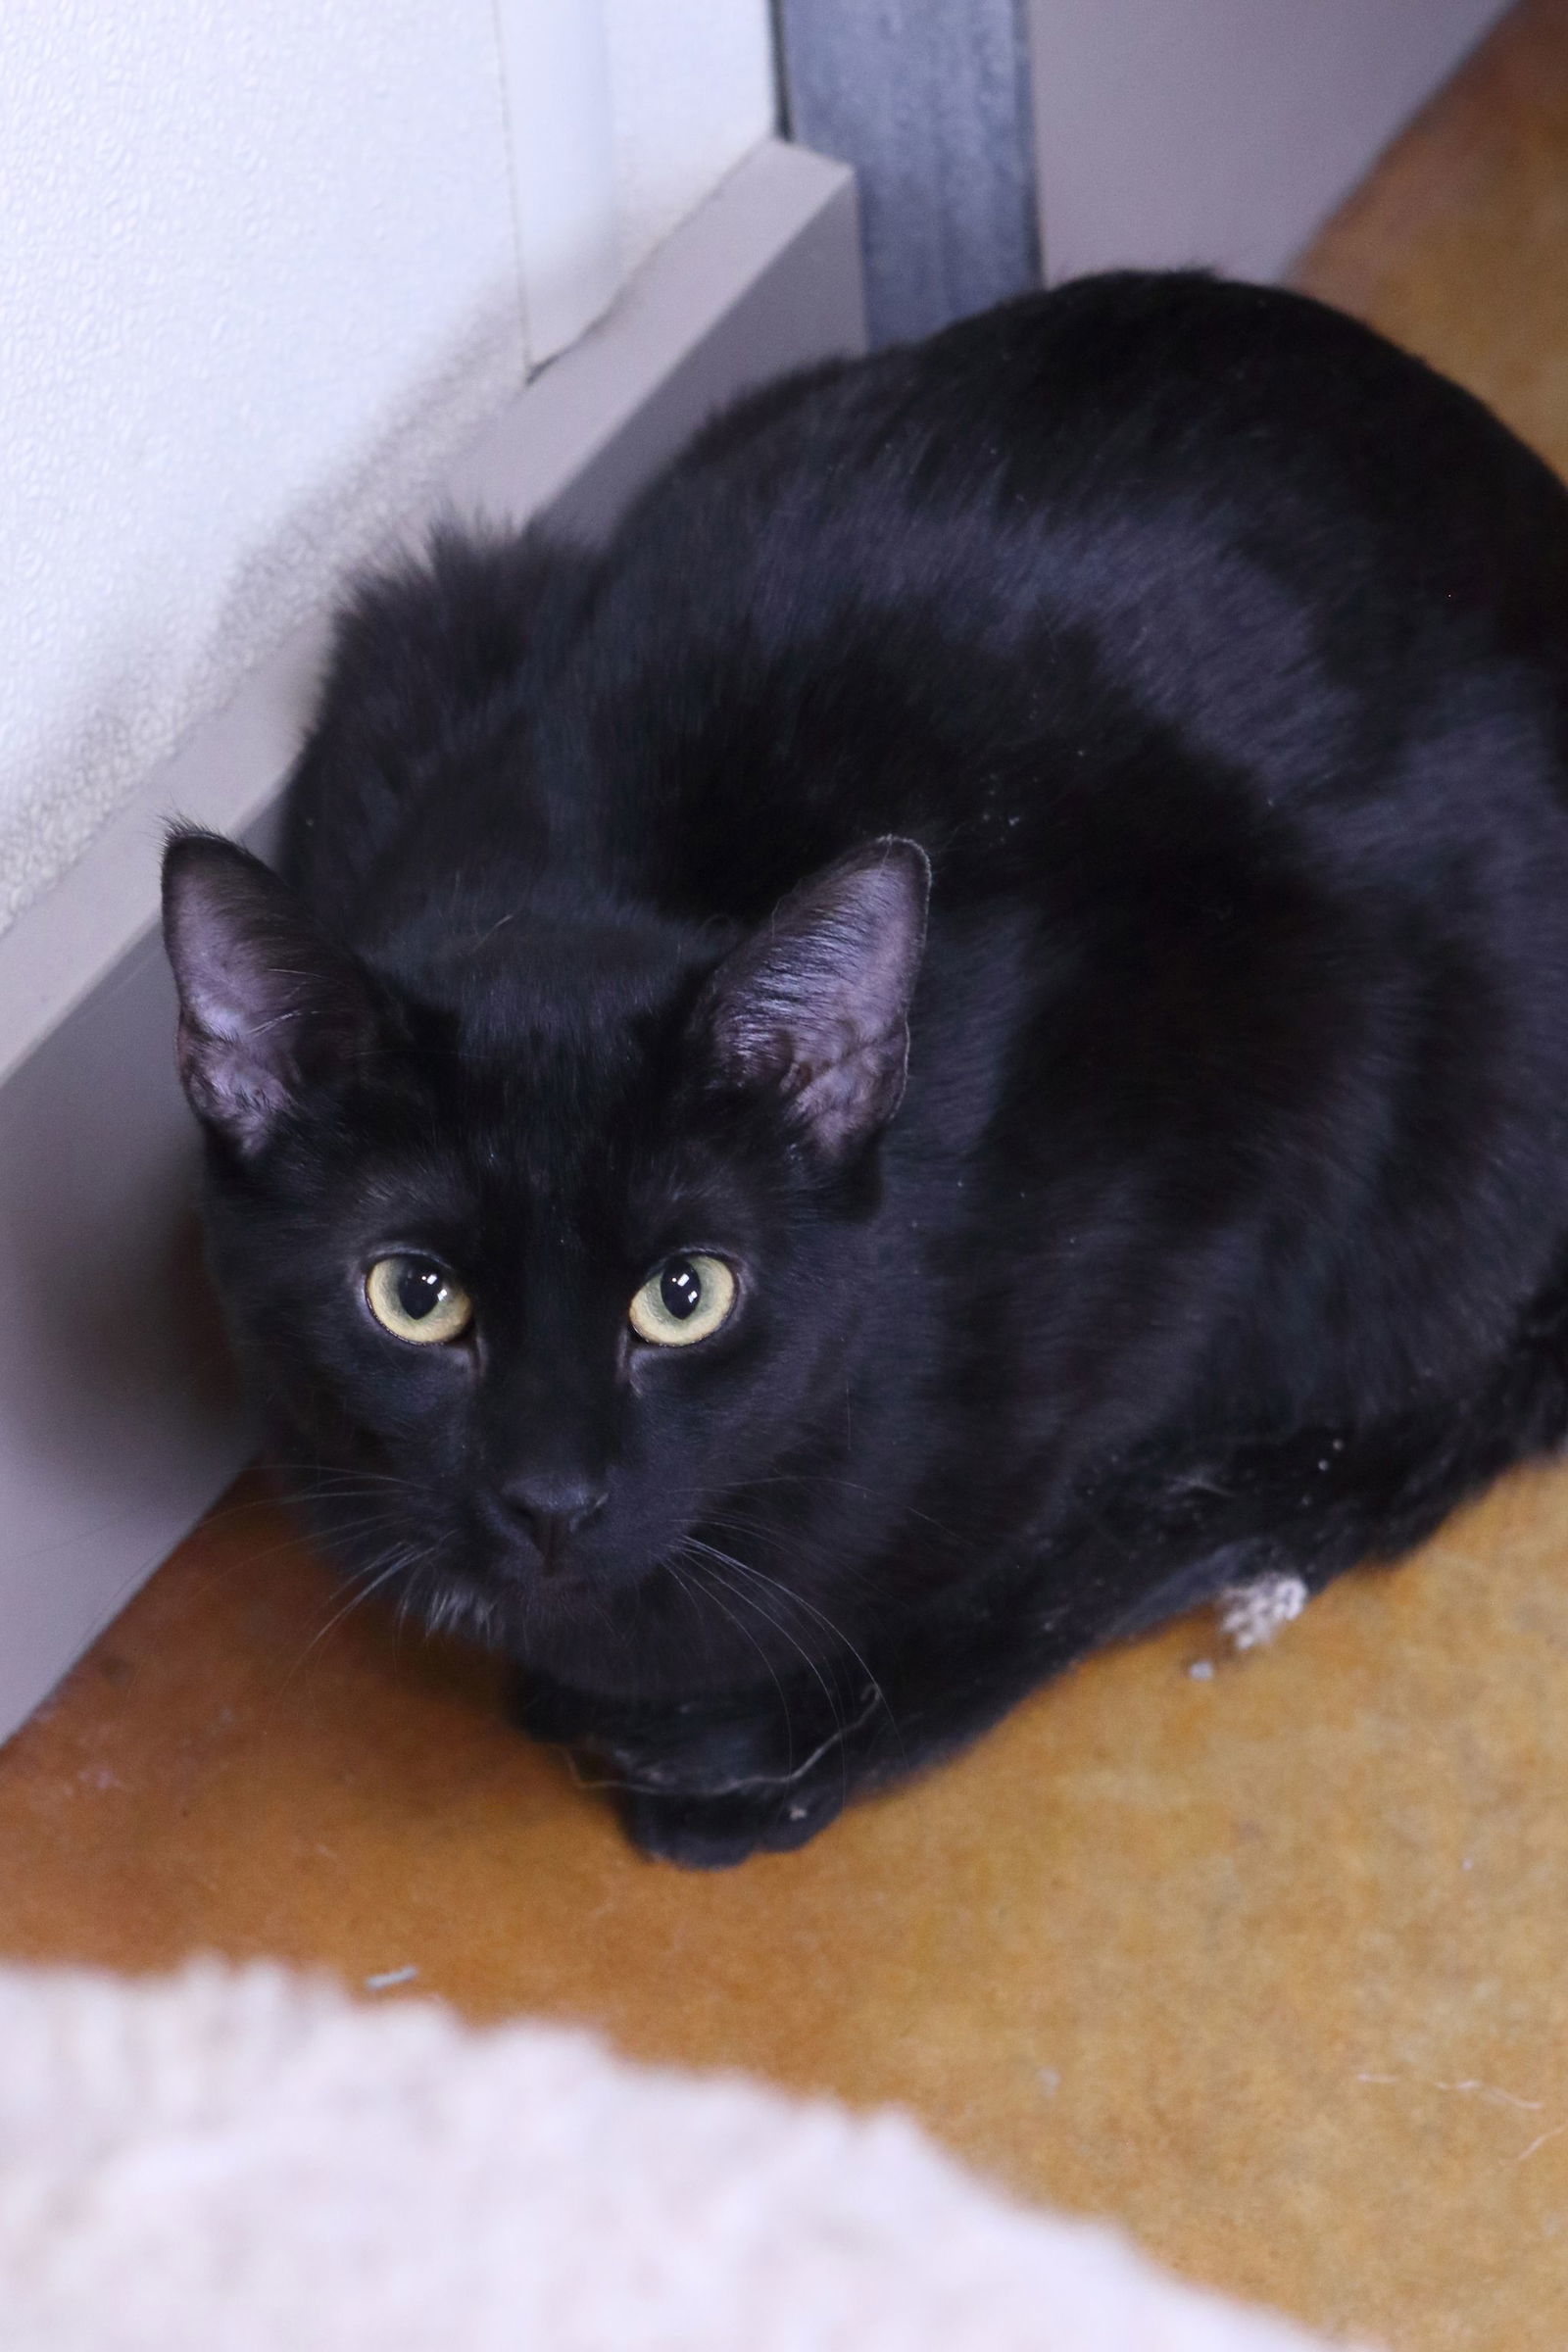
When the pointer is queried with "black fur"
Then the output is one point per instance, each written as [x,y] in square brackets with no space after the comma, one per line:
[1216,654]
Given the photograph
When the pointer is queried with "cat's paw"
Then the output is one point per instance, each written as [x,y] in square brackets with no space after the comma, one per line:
[714,1832]
[701,1746]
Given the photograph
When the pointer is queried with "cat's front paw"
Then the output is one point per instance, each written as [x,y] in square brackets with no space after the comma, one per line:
[701,1781]
[714,1832]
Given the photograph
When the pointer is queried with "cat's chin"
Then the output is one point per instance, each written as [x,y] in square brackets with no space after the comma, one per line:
[527,1615]
[579,1620]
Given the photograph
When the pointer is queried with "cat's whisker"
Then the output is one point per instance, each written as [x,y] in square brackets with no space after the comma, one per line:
[619,1633]
[707,1593]
[256,1506]
[369,1584]
[326,1469]
[786,1591]
[687,1589]
[839,1735]
[366,1584]
[797,1599]
[715,1562]
[215,1571]
[332,1498]
[327,1501]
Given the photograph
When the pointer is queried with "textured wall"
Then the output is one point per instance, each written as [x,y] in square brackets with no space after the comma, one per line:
[692,89]
[259,279]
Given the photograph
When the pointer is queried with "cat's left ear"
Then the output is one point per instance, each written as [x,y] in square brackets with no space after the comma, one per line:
[815,1005]
[268,1006]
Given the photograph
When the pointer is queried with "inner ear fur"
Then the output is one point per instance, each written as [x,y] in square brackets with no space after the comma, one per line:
[268,1006]
[814,1006]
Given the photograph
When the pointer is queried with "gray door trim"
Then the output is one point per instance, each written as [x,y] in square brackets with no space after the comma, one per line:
[930,102]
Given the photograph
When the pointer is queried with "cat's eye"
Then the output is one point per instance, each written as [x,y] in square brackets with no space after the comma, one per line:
[686,1299]
[415,1299]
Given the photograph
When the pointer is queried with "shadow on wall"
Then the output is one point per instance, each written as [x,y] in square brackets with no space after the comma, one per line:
[115,1385]
[143,697]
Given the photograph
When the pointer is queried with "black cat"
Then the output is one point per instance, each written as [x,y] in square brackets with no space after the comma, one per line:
[793,1322]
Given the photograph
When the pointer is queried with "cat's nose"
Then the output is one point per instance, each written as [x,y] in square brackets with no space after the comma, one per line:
[552,1510]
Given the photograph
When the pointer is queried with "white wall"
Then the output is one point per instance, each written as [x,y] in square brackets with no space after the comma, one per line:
[690,88]
[260,277]
[1221,131]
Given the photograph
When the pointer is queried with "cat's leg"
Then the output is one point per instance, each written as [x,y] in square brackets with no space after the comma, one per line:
[706,1781]
[1278,1524]
[713,1833]
[720,1780]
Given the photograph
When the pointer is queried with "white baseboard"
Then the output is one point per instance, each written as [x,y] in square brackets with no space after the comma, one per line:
[118,1423]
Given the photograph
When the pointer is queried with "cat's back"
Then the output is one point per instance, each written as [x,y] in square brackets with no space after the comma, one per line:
[1139,529]
[1217,654]
[1143,527]
[1252,412]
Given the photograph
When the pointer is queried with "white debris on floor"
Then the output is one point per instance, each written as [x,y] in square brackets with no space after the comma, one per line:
[1253,1614]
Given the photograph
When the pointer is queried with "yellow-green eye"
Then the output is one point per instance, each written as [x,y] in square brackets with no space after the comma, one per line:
[415,1299]
[687,1300]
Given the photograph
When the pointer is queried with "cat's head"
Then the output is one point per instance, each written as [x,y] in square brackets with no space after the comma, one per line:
[531,1271]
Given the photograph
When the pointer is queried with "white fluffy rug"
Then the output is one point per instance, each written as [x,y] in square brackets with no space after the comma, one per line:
[228,2161]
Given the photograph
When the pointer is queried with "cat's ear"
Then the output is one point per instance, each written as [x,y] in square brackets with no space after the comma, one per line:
[267,1004]
[815,1005]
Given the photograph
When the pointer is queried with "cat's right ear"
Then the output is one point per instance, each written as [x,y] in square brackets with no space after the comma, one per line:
[815,1007]
[268,1004]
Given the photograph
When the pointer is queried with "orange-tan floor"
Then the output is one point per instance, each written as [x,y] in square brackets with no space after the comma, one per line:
[1267,1963]
[1457,244]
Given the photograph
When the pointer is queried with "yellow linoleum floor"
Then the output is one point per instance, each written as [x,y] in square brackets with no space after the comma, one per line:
[1267,1962]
